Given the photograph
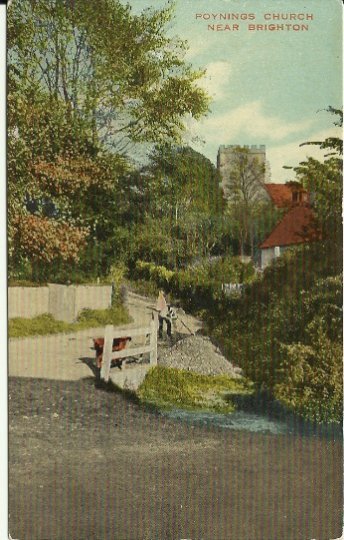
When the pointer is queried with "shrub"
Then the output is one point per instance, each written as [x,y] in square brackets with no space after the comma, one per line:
[144,287]
[312,379]
[168,387]
[289,323]
[198,287]
[115,315]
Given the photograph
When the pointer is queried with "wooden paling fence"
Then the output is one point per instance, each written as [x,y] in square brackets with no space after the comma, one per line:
[111,333]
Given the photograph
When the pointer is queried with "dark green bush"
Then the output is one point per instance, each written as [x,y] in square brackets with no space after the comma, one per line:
[288,323]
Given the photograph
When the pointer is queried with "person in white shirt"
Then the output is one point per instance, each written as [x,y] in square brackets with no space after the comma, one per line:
[163,315]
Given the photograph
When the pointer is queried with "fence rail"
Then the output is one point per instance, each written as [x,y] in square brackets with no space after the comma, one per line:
[112,333]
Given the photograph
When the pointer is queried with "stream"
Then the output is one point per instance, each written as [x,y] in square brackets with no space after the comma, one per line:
[276,422]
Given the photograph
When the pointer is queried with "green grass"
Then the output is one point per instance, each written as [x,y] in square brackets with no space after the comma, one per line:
[168,388]
[24,283]
[46,324]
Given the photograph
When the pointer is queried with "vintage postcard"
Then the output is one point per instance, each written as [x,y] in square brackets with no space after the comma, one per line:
[174,199]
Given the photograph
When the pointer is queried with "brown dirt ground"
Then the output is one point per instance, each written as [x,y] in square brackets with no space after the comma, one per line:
[88,464]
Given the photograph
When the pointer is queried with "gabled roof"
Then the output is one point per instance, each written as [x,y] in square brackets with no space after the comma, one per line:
[282,194]
[296,227]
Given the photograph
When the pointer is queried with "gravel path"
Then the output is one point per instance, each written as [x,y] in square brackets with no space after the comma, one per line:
[197,353]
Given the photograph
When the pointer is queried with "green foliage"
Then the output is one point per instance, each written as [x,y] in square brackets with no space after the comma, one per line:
[86,81]
[40,325]
[311,377]
[115,315]
[230,270]
[289,322]
[114,71]
[159,274]
[46,324]
[23,283]
[182,206]
[325,180]
[169,387]
[198,287]
[143,287]
[155,240]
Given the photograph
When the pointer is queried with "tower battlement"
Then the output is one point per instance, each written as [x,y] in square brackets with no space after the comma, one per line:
[227,158]
[226,152]
[256,147]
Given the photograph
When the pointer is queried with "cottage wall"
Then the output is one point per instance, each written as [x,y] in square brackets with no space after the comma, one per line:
[269,254]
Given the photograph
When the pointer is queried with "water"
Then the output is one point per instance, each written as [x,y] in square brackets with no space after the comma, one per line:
[274,422]
[238,420]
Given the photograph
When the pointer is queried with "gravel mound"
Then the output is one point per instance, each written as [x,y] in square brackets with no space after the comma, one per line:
[197,353]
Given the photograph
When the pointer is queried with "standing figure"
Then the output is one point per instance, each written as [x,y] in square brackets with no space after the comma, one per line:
[163,310]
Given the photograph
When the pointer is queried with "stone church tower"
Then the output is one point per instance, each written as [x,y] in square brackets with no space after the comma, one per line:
[226,159]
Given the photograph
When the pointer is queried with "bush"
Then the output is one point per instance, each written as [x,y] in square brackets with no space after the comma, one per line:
[115,315]
[198,287]
[144,287]
[288,323]
[24,283]
[168,387]
[160,275]
[312,379]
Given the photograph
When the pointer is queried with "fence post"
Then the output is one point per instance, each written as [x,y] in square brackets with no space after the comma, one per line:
[153,359]
[107,352]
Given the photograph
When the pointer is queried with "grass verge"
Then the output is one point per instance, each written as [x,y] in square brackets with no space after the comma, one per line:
[46,324]
[167,388]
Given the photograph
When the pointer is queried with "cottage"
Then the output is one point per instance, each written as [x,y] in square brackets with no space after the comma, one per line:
[296,227]
[287,195]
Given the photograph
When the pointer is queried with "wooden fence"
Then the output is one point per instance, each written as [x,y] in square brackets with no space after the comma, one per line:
[111,333]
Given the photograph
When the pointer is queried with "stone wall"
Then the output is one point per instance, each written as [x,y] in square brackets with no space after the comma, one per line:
[62,301]
[27,301]
[92,297]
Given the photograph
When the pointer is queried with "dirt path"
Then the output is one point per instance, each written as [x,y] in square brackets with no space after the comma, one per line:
[86,464]
[66,356]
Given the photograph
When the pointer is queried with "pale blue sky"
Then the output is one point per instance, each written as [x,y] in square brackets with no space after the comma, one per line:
[267,86]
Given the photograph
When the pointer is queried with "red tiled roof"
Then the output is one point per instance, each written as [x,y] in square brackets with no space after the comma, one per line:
[296,227]
[280,194]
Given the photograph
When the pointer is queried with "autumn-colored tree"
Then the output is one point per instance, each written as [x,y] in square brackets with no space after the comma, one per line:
[87,80]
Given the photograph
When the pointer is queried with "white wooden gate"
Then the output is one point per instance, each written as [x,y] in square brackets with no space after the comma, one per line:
[111,333]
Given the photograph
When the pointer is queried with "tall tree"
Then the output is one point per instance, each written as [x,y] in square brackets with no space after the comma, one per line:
[184,194]
[86,80]
[115,71]
[246,196]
